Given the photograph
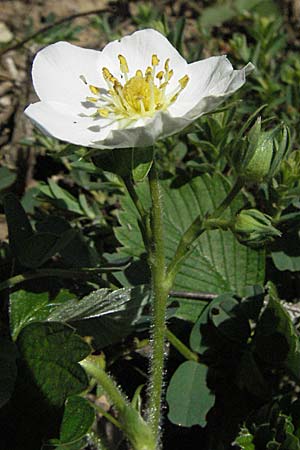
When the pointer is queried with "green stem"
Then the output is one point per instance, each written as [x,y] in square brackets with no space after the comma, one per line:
[181,347]
[160,290]
[102,378]
[134,427]
[196,229]
[106,414]
[184,246]
[134,197]
[228,199]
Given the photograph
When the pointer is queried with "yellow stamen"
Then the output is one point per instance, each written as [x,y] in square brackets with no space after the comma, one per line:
[106,74]
[94,90]
[184,81]
[154,60]
[170,74]
[123,64]
[91,99]
[140,95]
[174,98]
[163,85]
[103,112]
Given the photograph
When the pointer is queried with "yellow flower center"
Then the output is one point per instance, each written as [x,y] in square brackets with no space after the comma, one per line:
[142,95]
[138,93]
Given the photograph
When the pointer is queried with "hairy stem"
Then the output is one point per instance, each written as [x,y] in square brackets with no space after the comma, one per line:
[160,291]
[134,427]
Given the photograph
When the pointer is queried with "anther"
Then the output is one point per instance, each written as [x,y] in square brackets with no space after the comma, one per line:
[82,77]
[123,64]
[94,90]
[103,112]
[163,85]
[91,99]
[106,74]
[184,81]
[170,74]
[174,98]
[154,60]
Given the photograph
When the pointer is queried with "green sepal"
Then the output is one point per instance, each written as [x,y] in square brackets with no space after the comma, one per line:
[135,162]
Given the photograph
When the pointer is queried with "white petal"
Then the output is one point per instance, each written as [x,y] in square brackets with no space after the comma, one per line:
[144,132]
[57,69]
[211,81]
[59,121]
[141,133]
[138,49]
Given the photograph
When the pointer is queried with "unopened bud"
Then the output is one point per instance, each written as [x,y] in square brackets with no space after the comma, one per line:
[254,228]
[258,158]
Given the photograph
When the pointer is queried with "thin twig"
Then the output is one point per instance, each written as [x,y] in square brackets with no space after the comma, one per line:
[52,25]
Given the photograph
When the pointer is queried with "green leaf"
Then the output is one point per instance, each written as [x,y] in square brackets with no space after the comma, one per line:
[100,302]
[291,442]
[40,247]
[31,248]
[8,369]
[245,440]
[51,352]
[189,406]
[276,339]
[106,315]
[7,178]
[196,343]
[250,377]
[229,316]
[286,252]
[75,251]
[217,262]
[19,227]
[142,159]
[61,198]
[188,309]
[26,307]
[77,421]
[216,15]
[126,161]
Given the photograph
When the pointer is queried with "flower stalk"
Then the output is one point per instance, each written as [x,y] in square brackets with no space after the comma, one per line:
[160,292]
[134,427]
[181,347]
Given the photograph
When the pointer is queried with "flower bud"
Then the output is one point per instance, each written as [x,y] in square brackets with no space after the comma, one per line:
[254,228]
[290,169]
[258,156]
[261,153]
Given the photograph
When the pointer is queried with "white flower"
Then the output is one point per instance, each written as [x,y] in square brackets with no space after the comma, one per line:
[135,91]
